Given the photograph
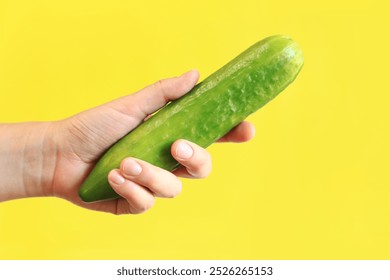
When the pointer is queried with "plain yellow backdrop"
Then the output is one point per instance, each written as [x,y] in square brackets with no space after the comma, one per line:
[314,182]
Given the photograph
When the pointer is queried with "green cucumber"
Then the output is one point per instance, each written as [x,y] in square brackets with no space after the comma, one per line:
[206,113]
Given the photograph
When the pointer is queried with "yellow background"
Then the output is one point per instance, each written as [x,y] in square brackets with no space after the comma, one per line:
[314,182]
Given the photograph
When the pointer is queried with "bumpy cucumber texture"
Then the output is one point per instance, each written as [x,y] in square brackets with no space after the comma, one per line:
[206,113]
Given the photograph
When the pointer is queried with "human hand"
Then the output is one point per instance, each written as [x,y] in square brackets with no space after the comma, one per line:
[78,142]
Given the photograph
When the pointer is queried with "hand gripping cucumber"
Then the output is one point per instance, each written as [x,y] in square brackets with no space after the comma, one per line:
[206,113]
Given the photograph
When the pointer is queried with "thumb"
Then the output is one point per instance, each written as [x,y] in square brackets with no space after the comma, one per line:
[151,98]
[96,129]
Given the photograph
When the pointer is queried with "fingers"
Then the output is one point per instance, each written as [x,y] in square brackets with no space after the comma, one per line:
[196,161]
[150,99]
[139,198]
[139,182]
[159,181]
[243,132]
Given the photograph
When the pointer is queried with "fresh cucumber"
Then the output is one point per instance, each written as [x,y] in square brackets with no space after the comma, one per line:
[206,113]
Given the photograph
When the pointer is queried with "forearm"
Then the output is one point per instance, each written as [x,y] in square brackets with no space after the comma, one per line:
[27,160]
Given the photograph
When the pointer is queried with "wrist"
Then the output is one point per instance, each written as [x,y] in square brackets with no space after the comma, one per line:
[28,157]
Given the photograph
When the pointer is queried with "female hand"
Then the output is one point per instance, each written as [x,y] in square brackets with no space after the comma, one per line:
[71,148]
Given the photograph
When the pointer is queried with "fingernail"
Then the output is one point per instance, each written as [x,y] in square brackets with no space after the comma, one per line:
[117,179]
[131,167]
[184,151]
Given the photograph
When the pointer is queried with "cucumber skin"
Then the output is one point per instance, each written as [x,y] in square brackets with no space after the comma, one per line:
[210,110]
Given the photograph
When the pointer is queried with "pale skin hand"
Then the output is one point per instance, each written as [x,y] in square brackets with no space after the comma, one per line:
[54,158]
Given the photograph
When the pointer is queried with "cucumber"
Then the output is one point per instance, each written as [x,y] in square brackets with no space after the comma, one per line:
[206,113]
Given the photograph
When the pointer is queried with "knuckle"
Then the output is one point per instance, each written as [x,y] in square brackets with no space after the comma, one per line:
[151,181]
[160,86]
[175,191]
[204,172]
[122,209]
[126,211]
[203,158]
[171,87]
[202,169]
[146,205]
